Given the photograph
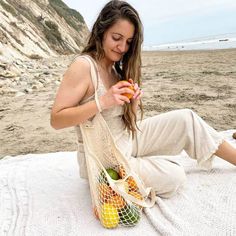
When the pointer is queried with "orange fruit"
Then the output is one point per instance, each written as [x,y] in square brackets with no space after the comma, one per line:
[105,192]
[129,95]
[117,201]
[136,195]
[132,184]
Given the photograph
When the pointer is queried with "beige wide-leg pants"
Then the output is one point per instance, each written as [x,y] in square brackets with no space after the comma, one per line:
[164,136]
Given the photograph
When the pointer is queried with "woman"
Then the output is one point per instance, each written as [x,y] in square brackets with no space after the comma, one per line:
[114,46]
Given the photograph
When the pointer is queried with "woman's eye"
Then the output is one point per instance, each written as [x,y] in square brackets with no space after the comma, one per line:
[116,39]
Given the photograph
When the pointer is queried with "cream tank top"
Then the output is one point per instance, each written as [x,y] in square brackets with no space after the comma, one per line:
[113,117]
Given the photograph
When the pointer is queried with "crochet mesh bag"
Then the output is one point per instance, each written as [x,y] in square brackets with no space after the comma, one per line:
[118,195]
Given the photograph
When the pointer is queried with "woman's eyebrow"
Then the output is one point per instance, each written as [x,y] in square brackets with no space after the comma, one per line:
[120,35]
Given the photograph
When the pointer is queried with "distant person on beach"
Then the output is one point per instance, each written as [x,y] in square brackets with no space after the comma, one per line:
[150,145]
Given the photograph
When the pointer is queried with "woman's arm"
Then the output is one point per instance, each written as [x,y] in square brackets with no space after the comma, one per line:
[66,112]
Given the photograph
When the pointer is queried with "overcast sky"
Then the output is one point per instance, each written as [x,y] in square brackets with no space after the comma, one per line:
[172,20]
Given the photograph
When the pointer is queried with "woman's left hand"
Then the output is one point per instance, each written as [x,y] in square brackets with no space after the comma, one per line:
[137,91]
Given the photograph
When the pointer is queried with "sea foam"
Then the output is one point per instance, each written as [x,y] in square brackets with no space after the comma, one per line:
[223,41]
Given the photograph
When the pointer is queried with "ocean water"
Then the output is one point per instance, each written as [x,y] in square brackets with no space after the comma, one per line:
[223,41]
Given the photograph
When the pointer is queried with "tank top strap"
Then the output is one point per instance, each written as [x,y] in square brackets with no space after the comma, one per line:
[93,70]
[94,74]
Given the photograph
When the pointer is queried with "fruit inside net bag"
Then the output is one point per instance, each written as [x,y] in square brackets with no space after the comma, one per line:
[118,195]
[112,208]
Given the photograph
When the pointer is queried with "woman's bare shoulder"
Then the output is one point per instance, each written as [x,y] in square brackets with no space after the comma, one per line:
[78,74]
[74,85]
[79,66]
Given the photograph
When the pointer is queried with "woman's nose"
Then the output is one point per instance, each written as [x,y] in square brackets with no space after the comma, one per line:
[122,47]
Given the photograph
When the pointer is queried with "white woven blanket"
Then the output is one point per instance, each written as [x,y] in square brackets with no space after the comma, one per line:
[42,195]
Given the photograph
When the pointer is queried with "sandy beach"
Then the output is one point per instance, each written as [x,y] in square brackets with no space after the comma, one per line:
[204,81]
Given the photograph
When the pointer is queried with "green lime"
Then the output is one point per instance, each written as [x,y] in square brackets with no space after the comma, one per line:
[113,174]
[129,215]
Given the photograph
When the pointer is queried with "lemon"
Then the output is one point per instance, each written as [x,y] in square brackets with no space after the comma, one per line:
[109,216]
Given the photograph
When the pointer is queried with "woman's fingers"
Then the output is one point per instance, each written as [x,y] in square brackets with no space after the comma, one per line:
[138,94]
[126,90]
[121,91]
[123,88]
[136,86]
[131,81]
[123,99]
[122,83]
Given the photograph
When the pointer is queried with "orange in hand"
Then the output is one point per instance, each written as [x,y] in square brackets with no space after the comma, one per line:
[129,95]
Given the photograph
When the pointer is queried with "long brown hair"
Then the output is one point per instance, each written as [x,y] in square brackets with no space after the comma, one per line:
[130,65]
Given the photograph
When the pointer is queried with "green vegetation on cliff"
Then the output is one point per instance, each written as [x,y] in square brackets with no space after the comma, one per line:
[67,13]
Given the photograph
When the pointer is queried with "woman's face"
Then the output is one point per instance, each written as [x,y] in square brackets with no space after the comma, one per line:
[117,39]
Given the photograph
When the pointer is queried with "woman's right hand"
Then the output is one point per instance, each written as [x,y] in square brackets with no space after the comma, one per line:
[114,97]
